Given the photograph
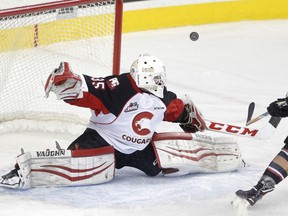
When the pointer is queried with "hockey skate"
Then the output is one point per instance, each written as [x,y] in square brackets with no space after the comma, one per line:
[11,180]
[264,186]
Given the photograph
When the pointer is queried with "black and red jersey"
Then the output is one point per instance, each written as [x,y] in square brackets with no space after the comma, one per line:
[124,115]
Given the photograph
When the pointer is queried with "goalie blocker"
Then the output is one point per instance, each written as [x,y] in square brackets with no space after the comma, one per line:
[181,153]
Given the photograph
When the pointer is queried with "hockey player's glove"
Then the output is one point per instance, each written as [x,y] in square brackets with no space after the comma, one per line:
[64,83]
[189,128]
[194,120]
[278,108]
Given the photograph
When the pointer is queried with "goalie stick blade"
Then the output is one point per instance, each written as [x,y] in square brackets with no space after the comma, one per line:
[251,109]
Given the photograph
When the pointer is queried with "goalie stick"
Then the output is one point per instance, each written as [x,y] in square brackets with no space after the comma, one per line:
[262,133]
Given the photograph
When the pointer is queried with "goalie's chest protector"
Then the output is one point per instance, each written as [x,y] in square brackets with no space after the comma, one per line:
[133,129]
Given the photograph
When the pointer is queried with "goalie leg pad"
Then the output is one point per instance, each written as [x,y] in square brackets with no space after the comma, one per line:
[200,154]
[66,167]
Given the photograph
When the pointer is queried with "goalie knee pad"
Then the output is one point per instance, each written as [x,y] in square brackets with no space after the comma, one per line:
[66,167]
[197,154]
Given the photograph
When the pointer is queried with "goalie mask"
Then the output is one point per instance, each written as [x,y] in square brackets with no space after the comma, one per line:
[149,73]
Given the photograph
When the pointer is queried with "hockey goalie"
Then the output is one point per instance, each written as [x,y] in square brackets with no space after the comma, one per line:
[126,111]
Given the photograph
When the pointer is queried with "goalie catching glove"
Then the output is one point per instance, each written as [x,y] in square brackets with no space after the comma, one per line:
[194,119]
[64,83]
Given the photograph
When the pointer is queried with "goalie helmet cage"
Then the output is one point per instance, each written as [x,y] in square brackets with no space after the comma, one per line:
[34,39]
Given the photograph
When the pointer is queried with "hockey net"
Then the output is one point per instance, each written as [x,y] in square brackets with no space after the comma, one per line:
[34,39]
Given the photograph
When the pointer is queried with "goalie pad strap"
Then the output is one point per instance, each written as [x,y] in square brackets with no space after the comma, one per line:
[92,152]
[172,136]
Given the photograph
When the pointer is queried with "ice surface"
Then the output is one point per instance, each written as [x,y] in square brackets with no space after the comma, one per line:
[227,68]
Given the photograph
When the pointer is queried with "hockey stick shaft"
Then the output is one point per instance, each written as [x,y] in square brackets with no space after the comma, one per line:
[257,118]
[234,130]
[230,129]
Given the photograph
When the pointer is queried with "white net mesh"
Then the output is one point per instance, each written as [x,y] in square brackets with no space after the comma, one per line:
[33,44]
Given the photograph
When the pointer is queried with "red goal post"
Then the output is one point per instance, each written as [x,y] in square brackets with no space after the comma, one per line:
[34,39]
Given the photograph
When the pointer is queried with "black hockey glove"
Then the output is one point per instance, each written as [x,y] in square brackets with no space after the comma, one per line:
[189,128]
[193,120]
[278,109]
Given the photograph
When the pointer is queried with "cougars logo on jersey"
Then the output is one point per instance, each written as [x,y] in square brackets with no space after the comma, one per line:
[141,126]
[141,123]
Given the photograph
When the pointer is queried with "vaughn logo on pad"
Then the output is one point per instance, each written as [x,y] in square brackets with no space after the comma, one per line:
[49,153]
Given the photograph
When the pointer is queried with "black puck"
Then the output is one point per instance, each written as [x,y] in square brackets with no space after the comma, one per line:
[194,36]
